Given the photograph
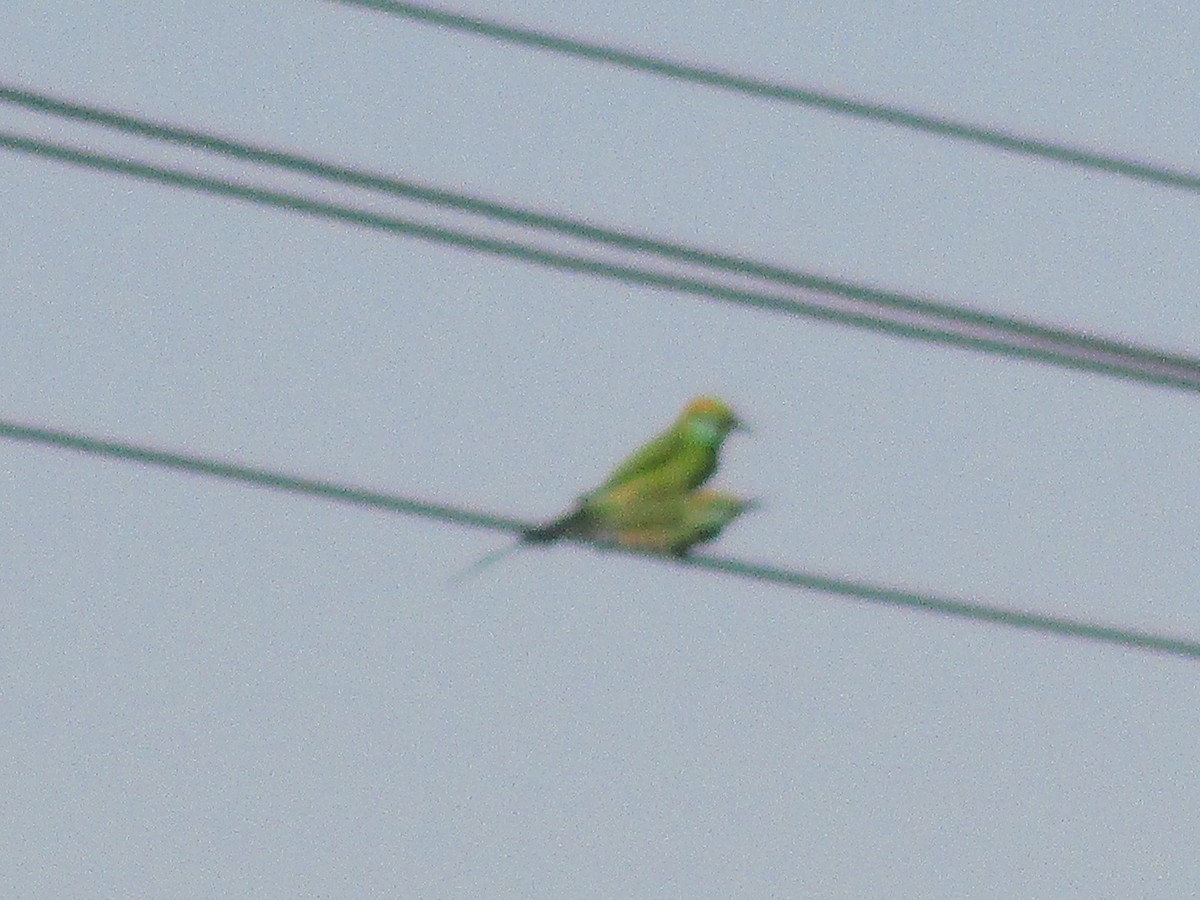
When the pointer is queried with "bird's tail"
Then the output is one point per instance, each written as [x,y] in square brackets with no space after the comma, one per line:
[552,531]
[482,563]
[542,534]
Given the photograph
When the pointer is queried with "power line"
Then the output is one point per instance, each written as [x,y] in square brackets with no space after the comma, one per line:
[857,590]
[972,322]
[1077,352]
[755,87]
[313,487]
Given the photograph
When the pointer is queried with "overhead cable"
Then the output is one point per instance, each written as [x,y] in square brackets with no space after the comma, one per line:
[1036,343]
[852,589]
[891,305]
[768,90]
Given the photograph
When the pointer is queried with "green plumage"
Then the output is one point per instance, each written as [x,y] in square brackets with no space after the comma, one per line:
[648,500]
[677,461]
[677,524]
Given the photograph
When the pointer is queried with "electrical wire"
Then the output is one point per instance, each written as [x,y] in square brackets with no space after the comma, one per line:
[843,587]
[892,303]
[1105,357]
[812,97]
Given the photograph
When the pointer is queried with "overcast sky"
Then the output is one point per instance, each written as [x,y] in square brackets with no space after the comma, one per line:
[211,690]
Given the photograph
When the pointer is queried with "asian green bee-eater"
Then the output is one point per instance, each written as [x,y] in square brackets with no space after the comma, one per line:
[677,524]
[666,524]
[666,469]
[675,462]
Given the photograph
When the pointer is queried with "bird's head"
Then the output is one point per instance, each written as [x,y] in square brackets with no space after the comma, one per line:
[718,508]
[710,420]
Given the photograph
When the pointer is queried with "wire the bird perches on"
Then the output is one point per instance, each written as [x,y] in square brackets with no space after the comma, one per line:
[1059,626]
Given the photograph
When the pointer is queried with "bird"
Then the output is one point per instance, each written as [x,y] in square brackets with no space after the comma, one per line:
[673,526]
[664,525]
[666,468]
[675,462]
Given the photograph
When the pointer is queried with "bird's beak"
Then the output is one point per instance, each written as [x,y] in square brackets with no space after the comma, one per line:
[741,426]
[752,503]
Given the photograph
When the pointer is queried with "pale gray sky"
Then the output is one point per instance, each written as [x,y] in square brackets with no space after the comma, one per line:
[214,691]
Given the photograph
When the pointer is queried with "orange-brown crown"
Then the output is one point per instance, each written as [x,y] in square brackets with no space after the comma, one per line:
[711,408]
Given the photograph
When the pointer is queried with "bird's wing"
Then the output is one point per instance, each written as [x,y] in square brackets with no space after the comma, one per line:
[654,455]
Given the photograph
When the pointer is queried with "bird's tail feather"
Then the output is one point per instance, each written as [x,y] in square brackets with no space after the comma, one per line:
[552,531]
[483,562]
[542,534]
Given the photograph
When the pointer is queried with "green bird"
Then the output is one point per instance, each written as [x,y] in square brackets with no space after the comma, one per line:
[669,525]
[669,466]
[674,525]
[675,462]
